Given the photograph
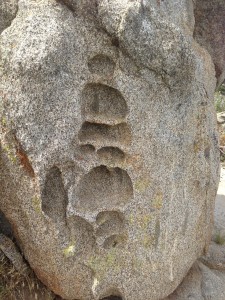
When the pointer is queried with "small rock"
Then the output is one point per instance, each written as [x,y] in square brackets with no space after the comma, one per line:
[9,249]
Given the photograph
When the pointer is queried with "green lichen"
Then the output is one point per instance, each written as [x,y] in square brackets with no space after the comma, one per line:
[70,250]
[138,264]
[131,219]
[197,147]
[147,241]
[10,152]
[36,202]
[142,184]
[219,239]
[3,122]
[145,220]
[141,220]
[158,201]
[102,220]
[102,264]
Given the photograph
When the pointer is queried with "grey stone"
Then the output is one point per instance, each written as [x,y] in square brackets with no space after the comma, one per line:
[8,10]
[221,118]
[201,283]
[213,283]
[210,30]
[215,257]
[206,279]
[106,198]
[10,250]
[190,288]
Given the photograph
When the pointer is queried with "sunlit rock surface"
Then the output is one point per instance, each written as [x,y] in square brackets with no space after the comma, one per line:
[109,157]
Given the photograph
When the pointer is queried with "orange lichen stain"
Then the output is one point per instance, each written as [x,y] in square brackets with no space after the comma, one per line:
[24,161]
[135,161]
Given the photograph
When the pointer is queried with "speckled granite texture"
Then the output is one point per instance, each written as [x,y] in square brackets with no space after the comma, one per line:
[109,159]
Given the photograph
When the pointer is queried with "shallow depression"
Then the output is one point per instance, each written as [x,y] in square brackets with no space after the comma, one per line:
[100,135]
[111,155]
[104,188]
[54,196]
[103,104]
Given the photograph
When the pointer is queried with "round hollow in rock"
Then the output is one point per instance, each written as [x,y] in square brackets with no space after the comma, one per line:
[111,155]
[101,135]
[103,188]
[109,223]
[103,104]
[54,196]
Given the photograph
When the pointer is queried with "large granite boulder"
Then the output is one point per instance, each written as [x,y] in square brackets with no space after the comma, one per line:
[109,158]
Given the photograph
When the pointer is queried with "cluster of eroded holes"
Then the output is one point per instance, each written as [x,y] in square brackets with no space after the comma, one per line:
[104,189]
[105,129]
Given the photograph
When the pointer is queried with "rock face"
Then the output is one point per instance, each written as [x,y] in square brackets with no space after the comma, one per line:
[201,283]
[210,32]
[106,196]
[8,10]
[206,279]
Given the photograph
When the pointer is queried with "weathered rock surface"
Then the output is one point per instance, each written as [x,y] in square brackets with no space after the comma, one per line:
[201,283]
[9,249]
[210,32]
[8,10]
[84,148]
[206,279]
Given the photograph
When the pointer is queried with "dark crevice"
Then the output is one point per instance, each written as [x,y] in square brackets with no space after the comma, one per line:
[68,4]
[5,226]
[115,42]
[112,298]
[54,196]
[113,294]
